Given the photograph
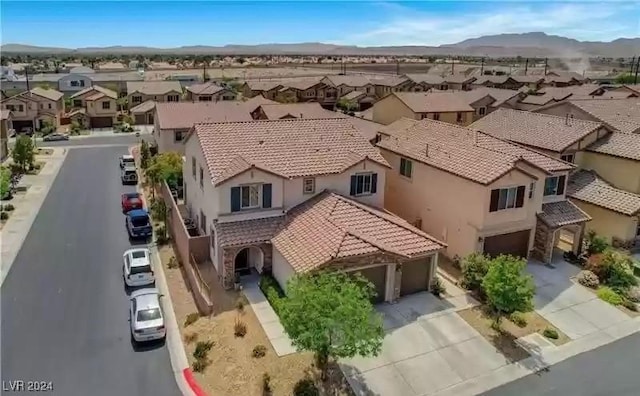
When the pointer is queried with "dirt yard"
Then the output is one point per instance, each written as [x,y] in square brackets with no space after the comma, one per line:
[232,369]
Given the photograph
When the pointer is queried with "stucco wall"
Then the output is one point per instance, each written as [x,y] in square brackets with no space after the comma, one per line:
[390,109]
[157,98]
[29,111]
[64,84]
[281,269]
[94,108]
[608,223]
[620,172]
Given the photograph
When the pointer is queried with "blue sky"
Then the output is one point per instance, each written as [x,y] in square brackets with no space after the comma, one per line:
[368,23]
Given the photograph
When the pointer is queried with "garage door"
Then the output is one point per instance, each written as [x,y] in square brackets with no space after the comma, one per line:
[141,119]
[377,276]
[101,122]
[515,243]
[415,276]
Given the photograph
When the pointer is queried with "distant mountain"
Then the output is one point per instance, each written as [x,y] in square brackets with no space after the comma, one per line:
[535,44]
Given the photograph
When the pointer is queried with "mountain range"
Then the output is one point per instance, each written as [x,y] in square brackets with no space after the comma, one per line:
[534,44]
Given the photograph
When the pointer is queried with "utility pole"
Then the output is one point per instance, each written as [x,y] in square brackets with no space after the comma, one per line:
[397,67]
[482,66]
[526,66]
[635,79]
[452,67]
[546,65]
[633,61]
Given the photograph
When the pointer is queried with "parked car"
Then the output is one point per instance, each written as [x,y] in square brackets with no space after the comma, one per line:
[129,175]
[138,224]
[145,315]
[53,137]
[127,160]
[136,268]
[131,201]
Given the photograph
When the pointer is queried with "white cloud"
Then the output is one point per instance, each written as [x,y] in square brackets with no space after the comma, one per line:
[583,21]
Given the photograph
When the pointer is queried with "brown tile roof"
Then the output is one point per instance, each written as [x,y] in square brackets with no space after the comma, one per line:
[96,96]
[489,78]
[247,232]
[527,79]
[548,95]
[587,186]
[618,144]
[499,95]
[50,94]
[208,88]
[633,87]
[428,78]
[298,110]
[143,107]
[433,102]
[301,83]
[253,103]
[153,87]
[289,148]
[458,78]
[562,213]
[472,155]
[98,88]
[331,227]
[349,80]
[183,115]
[622,114]
[263,85]
[389,81]
[534,129]
[353,95]
[5,114]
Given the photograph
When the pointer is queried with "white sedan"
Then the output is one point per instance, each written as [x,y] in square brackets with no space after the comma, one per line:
[145,316]
[136,269]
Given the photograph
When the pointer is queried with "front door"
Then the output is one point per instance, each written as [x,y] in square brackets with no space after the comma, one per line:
[242,262]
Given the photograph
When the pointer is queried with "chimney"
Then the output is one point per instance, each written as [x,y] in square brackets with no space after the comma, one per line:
[426,150]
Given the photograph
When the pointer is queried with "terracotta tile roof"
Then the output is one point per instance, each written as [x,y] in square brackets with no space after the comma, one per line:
[98,88]
[353,95]
[587,186]
[562,213]
[433,102]
[75,112]
[253,103]
[330,227]
[50,94]
[153,87]
[428,78]
[499,95]
[208,88]
[183,115]
[622,114]
[302,83]
[564,76]
[465,153]
[527,79]
[263,85]
[289,148]
[143,107]
[298,110]
[618,144]
[5,114]
[633,87]
[458,78]
[367,128]
[490,78]
[96,96]
[535,129]
[247,232]
[349,80]
[549,94]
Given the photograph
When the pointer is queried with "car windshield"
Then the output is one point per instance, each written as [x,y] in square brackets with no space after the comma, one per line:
[148,314]
[133,196]
[141,269]
[130,172]
[138,254]
[140,221]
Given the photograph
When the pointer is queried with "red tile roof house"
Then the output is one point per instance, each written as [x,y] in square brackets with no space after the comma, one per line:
[298,195]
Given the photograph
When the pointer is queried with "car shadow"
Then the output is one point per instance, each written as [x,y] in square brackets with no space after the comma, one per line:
[139,241]
[147,345]
[130,289]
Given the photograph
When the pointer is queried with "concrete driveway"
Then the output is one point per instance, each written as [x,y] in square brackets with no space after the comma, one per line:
[567,305]
[427,348]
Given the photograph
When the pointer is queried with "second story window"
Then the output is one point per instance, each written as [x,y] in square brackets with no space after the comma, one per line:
[554,185]
[193,167]
[77,103]
[106,105]
[406,167]
[201,177]
[364,184]
[506,198]
[49,105]
[567,157]
[309,185]
[482,111]
[532,189]
[250,196]
[178,136]
[173,98]
[136,99]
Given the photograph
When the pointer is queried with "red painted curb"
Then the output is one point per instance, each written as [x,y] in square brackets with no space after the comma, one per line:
[188,376]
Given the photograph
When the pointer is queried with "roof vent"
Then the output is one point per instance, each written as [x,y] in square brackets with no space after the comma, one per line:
[260,141]
[426,150]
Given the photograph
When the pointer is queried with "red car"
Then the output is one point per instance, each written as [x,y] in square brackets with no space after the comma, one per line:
[131,201]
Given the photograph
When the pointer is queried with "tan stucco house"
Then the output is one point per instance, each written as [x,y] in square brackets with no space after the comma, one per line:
[34,108]
[209,92]
[291,196]
[441,106]
[345,84]
[478,193]
[267,88]
[616,158]
[94,107]
[5,125]
[139,92]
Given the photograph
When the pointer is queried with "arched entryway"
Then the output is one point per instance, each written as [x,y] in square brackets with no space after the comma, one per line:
[248,259]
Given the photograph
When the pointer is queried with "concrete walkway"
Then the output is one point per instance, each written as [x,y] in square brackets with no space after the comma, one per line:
[27,206]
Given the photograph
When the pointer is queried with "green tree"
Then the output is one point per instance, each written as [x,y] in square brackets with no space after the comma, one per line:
[626,78]
[474,268]
[23,152]
[330,314]
[145,154]
[5,181]
[507,288]
[47,128]
[165,167]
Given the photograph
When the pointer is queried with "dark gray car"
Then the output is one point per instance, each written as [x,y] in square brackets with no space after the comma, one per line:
[54,137]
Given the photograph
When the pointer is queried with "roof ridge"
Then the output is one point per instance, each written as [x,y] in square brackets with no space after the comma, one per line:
[544,115]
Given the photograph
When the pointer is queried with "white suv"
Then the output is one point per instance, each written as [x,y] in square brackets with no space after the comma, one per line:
[137,269]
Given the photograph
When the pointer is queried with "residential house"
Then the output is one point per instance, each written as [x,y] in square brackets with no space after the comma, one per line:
[388,84]
[443,106]
[139,92]
[72,83]
[297,195]
[518,203]
[307,90]
[528,82]
[267,88]
[508,82]
[616,158]
[5,125]
[116,81]
[345,84]
[24,111]
[485,100]
[144,112]
[564,79]
[32,109]
[94,107]
[423,82]
[209,92]
[356,101]
[615,212]
[459,82]
[631,88]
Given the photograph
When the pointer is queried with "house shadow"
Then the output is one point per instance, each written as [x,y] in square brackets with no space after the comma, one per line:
[356,381]
[553,281]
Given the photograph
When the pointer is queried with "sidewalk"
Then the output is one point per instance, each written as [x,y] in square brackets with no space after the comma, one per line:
[27,206]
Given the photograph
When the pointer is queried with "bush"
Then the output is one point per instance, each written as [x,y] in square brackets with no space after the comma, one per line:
[614,269]
[8,208]
[438,288]
[550,333]
[588,279]
[272,291]
[199,365]
[190,337]
[4,216]
[239,328]
[474,267]
[630,305]
[266,384]
[609,295]
[507,287]
[191,319]
[518,319]
[240,304]
[596,244]
[173,263]
[305,387]
[633,294]
[259,351]
[495,325]
[161,236]
[202,349]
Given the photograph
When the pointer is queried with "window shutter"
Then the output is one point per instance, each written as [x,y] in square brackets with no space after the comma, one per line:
[495,195]
[266,195]
[354,183]
[520,197]
[374,183]
[561,181]
[235,199]
[409,168]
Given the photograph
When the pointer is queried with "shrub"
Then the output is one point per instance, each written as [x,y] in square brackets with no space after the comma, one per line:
[589,279]
[266,384]
[190,337]
[633,294]
[272,291]
[305,387]
[240,304]
[474,267]
[202,349]
[495,325]
[507,286]
[173,262]
[239,328]
[161,236]
[614,269]
[630,305]
[259,351]
[609,295]
[550,333]
[595,244]
[8,208]
[191,319]
[199,365]
[4,216]
[518,319]
[438,288]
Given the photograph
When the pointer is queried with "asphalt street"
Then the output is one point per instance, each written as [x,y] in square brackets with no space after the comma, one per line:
[64,306]
[92,140]
[610,370]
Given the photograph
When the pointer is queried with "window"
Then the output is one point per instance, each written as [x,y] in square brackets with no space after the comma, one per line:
[554,185]
[106,105]
[49,105]
[20,108]
[309,94]
[532,189]
[436,116]
[77,103]
[203,222]
[506,198]
[136,99]
[204,98]
[173,98]
[201,177]
[638,229]
[423,116]
[178,136]
[42,105]
[567,157]
[406,166]
[458,117]
[309,185]
[482,111]
[363,184]
[250,196]
[193,166]
[82,83]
